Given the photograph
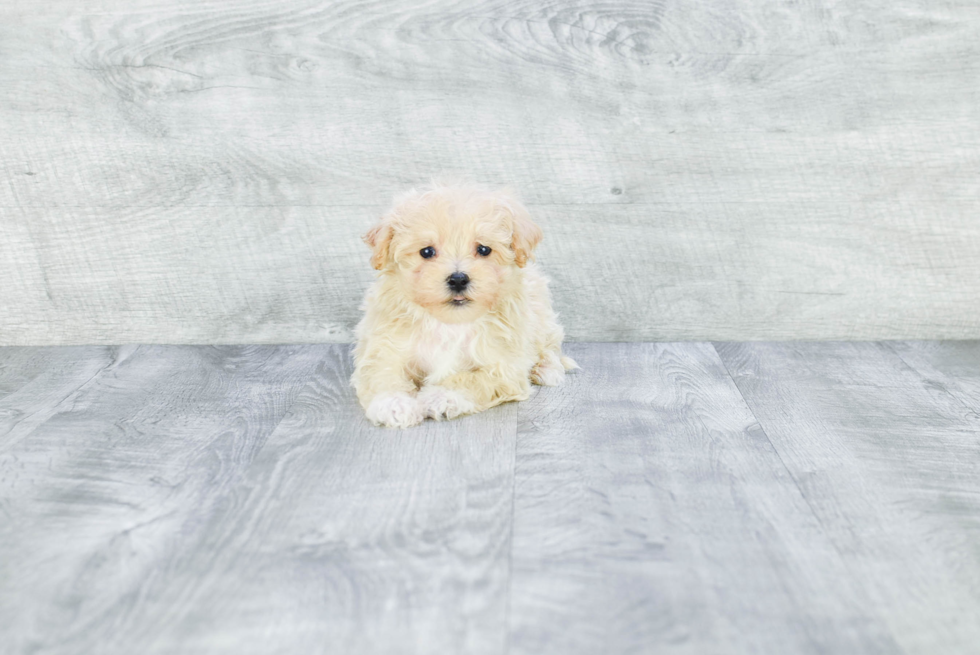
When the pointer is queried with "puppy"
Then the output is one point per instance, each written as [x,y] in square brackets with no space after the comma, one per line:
[459,319]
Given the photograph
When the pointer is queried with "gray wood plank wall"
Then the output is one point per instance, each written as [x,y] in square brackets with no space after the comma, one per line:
[183,171]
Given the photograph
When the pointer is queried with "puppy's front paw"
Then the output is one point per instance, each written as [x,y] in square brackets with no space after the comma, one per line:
[548,374]
[439,402]
[395,410]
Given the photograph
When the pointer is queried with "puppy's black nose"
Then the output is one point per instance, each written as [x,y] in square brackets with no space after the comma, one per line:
[458,281]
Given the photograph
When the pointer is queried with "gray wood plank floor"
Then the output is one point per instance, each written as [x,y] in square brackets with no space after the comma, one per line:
[681,498]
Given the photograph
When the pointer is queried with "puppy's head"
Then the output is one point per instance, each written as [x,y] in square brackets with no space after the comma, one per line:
[454,250]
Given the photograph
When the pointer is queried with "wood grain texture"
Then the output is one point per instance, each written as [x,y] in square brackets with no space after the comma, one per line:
[820,498]
[33,372]
[111,495]
[889,463]
[950,366]
[653,515]
[345,538]
[176,507]
[199,172]
[37,383]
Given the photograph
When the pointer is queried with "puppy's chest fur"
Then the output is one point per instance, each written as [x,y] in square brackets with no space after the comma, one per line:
[443,349]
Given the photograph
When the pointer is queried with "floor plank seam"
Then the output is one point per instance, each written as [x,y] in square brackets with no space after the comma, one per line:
[75,390]
[955,396]
[789,472]
[510,547]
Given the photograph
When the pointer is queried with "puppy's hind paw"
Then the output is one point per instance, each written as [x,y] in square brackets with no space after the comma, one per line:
[395,410]
[441,403]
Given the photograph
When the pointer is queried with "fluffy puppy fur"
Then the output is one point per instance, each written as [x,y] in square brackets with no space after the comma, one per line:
[459,318]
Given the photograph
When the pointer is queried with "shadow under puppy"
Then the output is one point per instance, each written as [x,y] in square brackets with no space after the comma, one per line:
[459,318]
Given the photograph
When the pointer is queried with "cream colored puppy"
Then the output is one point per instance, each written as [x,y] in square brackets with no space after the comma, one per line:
[459,319]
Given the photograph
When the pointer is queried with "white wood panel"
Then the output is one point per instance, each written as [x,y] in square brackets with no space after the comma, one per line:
[785,170]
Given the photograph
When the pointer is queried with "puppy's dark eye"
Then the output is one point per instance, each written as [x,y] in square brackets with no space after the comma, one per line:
[483,251]
[427,252]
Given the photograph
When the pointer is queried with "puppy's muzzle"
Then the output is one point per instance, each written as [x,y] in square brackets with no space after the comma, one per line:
[458,282]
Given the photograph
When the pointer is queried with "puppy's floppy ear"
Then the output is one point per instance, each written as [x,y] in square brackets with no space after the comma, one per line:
[379,238]
[526,233]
